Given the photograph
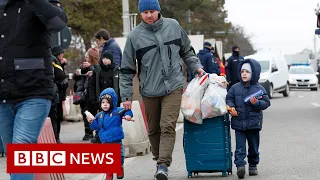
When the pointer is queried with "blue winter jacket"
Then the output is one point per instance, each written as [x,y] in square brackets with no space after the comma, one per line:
[216,66]
[205,57]
[109,124]
[249,116]
[232,68]
[112,45]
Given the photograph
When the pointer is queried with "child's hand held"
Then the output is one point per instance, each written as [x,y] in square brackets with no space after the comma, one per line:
[127,118]
[232,111]
[253,100]
[89,116]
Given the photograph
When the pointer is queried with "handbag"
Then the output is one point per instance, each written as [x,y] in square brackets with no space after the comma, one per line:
[78,98]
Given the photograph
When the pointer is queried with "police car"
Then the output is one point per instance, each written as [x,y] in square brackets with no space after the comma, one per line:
[303,77]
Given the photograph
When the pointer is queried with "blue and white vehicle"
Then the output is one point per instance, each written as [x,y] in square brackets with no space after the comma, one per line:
[303,77]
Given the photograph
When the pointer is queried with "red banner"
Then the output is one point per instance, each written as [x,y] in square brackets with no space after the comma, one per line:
[63,158]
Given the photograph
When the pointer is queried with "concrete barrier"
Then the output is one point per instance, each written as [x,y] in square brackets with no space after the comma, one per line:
[180,118]
[71,112]
[136,141]
[47,137]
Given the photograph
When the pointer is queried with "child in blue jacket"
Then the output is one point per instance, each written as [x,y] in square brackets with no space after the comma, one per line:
[109,123]
[247,116]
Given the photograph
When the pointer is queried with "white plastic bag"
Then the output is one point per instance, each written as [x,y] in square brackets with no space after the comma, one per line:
[191,99]
[213,103]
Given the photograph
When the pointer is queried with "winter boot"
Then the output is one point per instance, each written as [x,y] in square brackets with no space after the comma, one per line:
[253,171]
[87,137]
[241,171]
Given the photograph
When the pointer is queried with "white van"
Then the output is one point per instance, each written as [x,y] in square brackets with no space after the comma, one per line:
[274,75]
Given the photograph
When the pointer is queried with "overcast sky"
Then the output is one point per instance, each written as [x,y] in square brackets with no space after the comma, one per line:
[288,25]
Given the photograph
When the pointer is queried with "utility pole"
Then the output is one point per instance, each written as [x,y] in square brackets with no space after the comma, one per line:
[125,17]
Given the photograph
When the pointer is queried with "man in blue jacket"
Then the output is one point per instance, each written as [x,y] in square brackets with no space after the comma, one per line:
[107,43]
[247,116]
[232,66]
[207,59]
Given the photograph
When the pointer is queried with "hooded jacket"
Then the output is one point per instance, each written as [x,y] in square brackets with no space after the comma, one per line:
[249,116]
[158,49]
[109,124]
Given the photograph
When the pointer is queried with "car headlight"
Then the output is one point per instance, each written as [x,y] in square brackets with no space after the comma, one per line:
[292,81]
[315,80]
[263,80]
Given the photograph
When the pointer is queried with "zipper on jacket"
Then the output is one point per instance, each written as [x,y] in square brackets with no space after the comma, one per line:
[18,19]
[169,54]
[144,83]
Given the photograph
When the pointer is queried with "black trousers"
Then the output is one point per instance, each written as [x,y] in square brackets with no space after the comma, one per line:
[56,116]
[93,110]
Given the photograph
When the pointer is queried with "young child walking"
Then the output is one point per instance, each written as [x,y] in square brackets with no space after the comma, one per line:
[247,115]
[108,123]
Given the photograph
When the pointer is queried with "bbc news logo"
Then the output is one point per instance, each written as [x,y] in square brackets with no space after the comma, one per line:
[63,158]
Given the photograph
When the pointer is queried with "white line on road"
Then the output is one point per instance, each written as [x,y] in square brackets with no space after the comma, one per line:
[316,104]
[300,96]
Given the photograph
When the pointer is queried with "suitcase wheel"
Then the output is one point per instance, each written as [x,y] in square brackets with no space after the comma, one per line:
[224,174]
[189,174]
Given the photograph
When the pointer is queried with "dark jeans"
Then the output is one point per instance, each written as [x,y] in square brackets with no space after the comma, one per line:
[253,138]
[21,123]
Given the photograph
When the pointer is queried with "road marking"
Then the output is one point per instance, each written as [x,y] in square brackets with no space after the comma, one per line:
[316,104]
[300,96]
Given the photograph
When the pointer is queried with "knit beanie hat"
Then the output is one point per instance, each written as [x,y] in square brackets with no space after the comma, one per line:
[148,5]
[56,50]
[108,55]
[247,67]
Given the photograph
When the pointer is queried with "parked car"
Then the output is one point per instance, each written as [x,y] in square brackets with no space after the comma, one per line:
[274,75]
[303,77]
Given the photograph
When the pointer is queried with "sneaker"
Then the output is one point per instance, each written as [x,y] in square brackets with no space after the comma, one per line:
[109,176]
[162,172]
[253,171]
[120,175]
[87,137]
[241,171]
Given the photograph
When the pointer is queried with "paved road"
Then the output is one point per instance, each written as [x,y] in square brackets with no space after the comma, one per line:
[289,148]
